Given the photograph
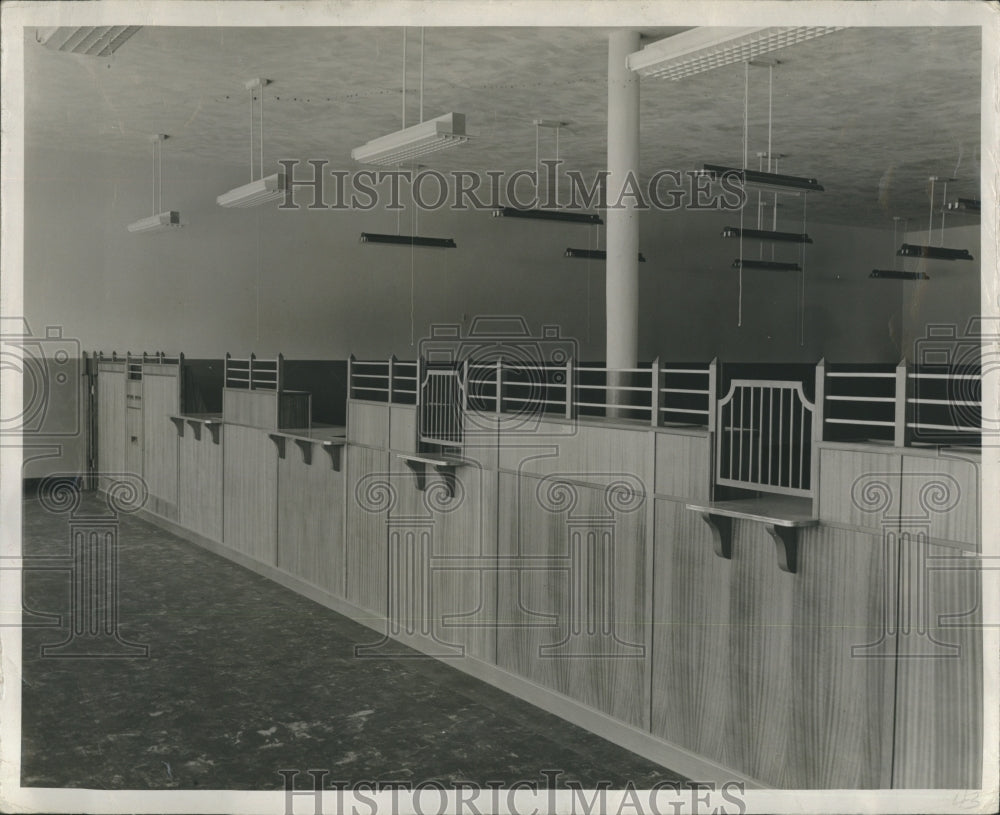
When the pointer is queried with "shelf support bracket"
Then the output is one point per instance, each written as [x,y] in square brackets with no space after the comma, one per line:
[279,442]
[306,447]
[722,533]
[333,450]
[195,426]
[179,424]
[787,543]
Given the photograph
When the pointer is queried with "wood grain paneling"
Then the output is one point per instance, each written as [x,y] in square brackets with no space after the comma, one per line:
[250,493]
[133,439]
[946,492]
[841,722]
[111,428]
[369,495]
[450,556]
[199,496]
[160,399]
[940,695]
[368,423]
[760,647]
[310,519]
[403,428]
[858,488]
[251,408]
[754,668]
[684,466]
[691,663]
[572,605]
[600,452]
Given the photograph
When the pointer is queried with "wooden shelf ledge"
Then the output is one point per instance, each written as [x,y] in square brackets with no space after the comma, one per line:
[305,443]
[445,467]
[781,517]
[196,422]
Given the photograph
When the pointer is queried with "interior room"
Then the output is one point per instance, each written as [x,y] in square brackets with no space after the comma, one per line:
[678,483]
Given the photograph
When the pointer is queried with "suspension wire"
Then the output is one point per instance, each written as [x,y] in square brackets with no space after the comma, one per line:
[930,220]
[159,175]
[557,167]
[802,288]
[154,178]
[261,145]
[404,77]
[538,177]
[770,100]
[746,113]
[892,251]
[421,74]
[944,206]
[251,135]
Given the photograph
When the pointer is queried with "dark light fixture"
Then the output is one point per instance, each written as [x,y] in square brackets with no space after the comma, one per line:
[769,265]
[898,274]
[408,240]
[592,254]
[760,178]
[965,205]
[910,250]
[766,235]
[548,215]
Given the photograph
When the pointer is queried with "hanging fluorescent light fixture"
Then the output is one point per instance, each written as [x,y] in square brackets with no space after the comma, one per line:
[592,254]
[549,215]
[539,214]
[255,193]
[706,47]
[928,252]
[91,41]
[788,184]
[909,250]
[898,274]
[970,205]
[768,265]
[259,190]
[409,240]
[766,235]
[160,221]
[894,273]
[413,142]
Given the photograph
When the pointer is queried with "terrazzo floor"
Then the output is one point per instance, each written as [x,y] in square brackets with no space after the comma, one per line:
[245,678]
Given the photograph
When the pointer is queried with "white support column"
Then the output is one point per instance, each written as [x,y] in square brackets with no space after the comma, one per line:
[622,292]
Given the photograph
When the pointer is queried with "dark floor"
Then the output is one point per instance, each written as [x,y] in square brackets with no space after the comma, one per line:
[245,678]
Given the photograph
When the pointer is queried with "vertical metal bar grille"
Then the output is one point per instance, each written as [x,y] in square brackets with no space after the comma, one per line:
[764,437]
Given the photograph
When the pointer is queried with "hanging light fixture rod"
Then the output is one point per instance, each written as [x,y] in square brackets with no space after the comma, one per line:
[756,178]
[161,220]
[409,240]
[593,254]
[260,189]
[766,235]
[766,265]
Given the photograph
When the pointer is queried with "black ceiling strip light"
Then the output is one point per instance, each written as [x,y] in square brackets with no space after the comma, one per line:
[766,235]
[910,250]
[592,254]
[760,178]
[898,274]
[769,265]
[409,240]
[965,205]
[548,215]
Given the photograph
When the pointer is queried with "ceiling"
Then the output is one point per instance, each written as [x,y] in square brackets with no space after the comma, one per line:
[870,112]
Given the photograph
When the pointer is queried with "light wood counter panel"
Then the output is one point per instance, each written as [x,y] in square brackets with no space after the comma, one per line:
[251,493]
[310,519]
[572,606]
[199,497]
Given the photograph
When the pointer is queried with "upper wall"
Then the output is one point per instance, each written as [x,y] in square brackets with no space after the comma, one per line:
[300,282]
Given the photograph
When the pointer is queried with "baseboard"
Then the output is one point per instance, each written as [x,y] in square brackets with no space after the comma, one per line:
[643,743]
